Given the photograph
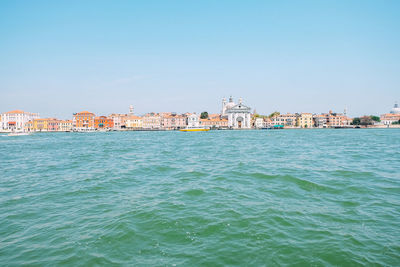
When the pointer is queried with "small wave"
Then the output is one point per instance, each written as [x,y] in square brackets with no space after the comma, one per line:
[352,174]
[302,183]
[164,168]
[349,203]
[191,174]
[194,192]
[263,175]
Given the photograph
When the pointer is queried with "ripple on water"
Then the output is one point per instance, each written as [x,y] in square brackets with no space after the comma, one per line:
[246,198]
[194,192]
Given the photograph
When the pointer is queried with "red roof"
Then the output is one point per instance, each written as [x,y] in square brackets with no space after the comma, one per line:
[18,111]
[85,112]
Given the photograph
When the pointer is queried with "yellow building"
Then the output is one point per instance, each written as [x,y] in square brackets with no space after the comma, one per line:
[304,120]
[43,125]
[134,122]
[40,125]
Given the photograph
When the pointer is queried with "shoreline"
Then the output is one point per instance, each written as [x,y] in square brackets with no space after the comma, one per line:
[253,129]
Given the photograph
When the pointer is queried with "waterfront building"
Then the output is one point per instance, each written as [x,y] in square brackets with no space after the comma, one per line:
[259,122]
[238,114]
[215,116]
[268,122]
[151,121]
[320,121]
[276,120]
[214,122]
[304,120]
[134,122]
[28,126]
[65,126]
[173,121]
[392,116]
[262,122]
[83,120]
[287,120]
[16,120]
[337,120]
[102,122]
[40,125]
[332,120]
[193,120]
[346,121]
[226,106]
[119,120]
[53,125]
[389,118]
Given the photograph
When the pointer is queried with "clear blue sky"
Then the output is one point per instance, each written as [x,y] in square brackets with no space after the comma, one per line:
[60,57]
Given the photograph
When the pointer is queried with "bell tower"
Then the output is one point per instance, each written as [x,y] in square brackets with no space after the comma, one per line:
[223,107]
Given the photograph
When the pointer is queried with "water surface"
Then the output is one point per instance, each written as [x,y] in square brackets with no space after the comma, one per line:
[285,197]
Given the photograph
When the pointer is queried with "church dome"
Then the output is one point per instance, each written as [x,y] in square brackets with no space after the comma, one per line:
[230,105]
[395,109]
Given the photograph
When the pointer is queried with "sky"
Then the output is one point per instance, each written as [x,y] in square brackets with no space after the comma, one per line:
[61,57]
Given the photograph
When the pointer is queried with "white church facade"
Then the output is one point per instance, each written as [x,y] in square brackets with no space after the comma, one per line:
[239,115]
[193,120]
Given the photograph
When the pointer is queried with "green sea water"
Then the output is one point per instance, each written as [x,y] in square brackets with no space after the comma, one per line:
[219,198]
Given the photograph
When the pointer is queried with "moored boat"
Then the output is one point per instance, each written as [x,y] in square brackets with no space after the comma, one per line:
[19,133]
[84,130]
[104,130]
[194,129]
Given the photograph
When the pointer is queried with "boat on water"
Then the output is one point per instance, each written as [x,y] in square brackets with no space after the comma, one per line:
[84,130]
[194,129]
[19,133]
[104,130]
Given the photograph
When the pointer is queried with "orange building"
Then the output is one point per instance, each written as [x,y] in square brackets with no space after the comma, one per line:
[103,122]
[214,116]
[84,119]
[214,122]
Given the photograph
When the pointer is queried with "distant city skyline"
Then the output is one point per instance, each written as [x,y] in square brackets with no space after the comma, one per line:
[62,57]
[130,110]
